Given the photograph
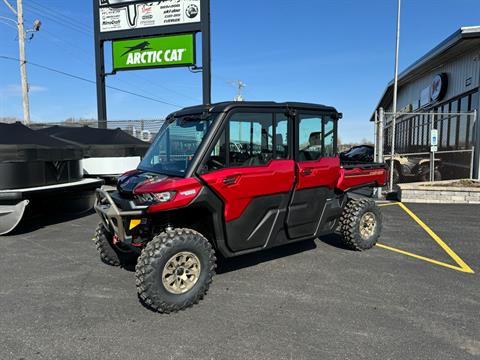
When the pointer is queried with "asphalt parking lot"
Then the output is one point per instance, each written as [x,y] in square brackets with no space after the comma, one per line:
[412,297]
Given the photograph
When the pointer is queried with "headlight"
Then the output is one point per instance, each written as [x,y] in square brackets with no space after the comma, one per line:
[150,198]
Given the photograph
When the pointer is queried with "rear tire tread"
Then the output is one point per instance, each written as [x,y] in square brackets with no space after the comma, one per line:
[349,223]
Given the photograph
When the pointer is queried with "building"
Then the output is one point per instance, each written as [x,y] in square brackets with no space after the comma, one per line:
[444,81]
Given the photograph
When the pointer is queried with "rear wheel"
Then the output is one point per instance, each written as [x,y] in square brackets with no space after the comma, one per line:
[396,175]
[175,270]
[109,253]
[361,224]
[425,174]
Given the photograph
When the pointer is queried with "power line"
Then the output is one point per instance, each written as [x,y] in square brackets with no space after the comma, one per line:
[89,81]
[57,17]
[83,29]
[60,16]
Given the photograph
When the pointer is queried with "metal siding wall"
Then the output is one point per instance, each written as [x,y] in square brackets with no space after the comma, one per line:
[458,71]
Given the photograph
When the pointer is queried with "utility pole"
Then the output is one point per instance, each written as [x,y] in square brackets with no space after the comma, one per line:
[240,86]
[23,63]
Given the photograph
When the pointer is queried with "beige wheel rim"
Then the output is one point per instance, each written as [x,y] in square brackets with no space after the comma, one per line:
[181,272]
[368,224]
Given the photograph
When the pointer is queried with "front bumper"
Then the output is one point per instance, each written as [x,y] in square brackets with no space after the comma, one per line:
[112,217]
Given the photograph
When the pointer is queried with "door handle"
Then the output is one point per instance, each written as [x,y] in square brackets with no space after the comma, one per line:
[231,180]
[307,172]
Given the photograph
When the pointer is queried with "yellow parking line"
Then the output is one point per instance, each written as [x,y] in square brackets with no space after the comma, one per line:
[462,266]
[388,204]
[439,241]
[423,258]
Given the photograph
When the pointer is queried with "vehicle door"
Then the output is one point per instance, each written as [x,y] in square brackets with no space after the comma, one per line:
[317,172]
[252,170]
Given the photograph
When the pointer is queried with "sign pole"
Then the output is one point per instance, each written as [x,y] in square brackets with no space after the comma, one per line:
[433,146]
[206,53]
[432,161]
[100,70]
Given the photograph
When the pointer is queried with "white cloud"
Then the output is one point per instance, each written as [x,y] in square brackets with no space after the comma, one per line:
[16,90]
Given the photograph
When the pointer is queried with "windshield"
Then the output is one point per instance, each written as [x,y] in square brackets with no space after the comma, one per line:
[174,148]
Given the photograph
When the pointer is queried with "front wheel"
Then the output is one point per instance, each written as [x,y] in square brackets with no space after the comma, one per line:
[110,253]
[361,224]
[175,270]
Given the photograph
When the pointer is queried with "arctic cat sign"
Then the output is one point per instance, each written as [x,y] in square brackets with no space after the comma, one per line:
[148,34]
[165,51]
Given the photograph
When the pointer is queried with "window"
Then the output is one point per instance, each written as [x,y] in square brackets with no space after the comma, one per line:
[281,136]
[316,137]
[254,140]
[251,139]
[463,123]
[453,125]
[445,121]
[176,146]
[329,137]
[310,138]
[473,105]
[415,131]
[474,101]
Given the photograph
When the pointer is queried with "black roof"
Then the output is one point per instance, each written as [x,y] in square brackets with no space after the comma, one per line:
[228,105]
[98,142]
[20,143]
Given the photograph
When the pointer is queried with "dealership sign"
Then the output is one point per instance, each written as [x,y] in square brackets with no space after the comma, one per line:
[117,15]
[438,88]
[436,91]
[165,51]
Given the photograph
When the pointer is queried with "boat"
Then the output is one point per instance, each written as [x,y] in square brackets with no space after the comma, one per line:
[108,153]
[39,175]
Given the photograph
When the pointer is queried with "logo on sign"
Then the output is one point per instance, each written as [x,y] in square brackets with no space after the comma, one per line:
[175,50]
[438,87]
[192,11]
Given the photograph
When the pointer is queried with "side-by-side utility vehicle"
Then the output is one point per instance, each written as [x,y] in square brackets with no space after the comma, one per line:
[232,178]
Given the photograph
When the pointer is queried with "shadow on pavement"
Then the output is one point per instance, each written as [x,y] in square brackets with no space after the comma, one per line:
[244,261]
[225,265]
[31,224]
[334,240]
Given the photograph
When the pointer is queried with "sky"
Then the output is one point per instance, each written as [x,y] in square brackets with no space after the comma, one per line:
[333,52]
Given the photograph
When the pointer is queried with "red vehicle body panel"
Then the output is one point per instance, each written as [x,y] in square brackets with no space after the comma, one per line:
[321,173]
[351,178]
[238,186]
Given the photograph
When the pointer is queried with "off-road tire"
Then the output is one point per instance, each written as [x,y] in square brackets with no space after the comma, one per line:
[152,261]
[425,175]
[350,224]
[109,254]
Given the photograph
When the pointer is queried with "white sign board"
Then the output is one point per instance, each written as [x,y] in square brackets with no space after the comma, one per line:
[425,97]
[152,14]
[433,148]
[434,137]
